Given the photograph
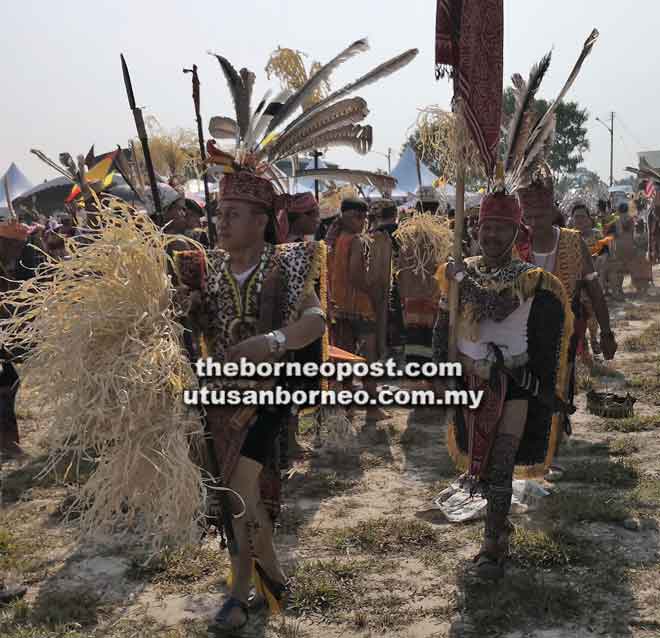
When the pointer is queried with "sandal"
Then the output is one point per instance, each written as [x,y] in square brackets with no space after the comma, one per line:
[221,621]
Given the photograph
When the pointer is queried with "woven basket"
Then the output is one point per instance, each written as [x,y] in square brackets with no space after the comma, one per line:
[610,406]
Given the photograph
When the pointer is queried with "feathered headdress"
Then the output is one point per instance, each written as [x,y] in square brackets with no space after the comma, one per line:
[530,137]
[275,130]
[578,198]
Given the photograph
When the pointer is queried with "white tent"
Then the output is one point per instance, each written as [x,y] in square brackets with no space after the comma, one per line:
[405,173]
[306,184]
[17,184]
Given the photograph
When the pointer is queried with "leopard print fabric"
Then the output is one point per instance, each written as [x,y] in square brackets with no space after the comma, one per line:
[491,296]
[296,264]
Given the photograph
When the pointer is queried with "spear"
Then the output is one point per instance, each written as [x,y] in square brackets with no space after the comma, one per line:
[144,140]
[202,150]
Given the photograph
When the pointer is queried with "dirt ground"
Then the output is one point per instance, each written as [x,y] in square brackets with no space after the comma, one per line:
[366,554]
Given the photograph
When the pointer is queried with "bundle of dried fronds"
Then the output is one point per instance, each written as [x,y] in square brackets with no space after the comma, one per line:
[104,356]
[441,135]
[425,242]
[174,152]
[288,67]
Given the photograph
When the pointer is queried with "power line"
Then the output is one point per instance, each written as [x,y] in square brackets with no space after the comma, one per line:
[629,132]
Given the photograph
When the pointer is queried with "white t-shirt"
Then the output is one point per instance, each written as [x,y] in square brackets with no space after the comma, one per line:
[242,277]
[509,335]
[547,261]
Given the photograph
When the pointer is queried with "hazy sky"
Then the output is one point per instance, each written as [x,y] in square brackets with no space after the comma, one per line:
[63,87]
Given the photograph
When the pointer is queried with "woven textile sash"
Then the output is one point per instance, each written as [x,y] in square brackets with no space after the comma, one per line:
[470,48]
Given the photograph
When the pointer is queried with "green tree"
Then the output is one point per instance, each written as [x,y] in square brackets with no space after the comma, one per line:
[435,163]
[571,142]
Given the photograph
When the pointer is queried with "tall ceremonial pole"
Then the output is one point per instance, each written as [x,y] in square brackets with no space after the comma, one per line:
[202,150]
[469,50]
[144,140]
[457,250]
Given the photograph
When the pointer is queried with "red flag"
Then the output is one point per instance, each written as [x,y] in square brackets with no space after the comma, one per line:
[649,191]
[470,48]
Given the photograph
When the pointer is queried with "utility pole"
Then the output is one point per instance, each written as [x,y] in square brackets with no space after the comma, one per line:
[316,155]
[612,152]
[611,130]
[389,161]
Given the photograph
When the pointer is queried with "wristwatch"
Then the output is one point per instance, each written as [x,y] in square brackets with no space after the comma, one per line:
[277,342]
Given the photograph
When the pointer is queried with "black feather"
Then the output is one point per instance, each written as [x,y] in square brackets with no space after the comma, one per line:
[525,102]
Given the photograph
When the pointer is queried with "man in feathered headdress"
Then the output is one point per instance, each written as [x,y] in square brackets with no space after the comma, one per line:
[513,331]
[563,252]
[257,303]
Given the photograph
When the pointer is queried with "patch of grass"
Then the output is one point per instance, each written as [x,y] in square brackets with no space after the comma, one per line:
[385,535]
[291,519]
[521,599]
[647,340]
[573,507]
[288,629]
[319,587]
[638,314]
[185,565]
[577,447]
[603,472]
[7,549]
[648,382]
[632,424]
[387,612]
[324,485]
[65,608]
[18,553]
[625,446]
[556,547]
[369,461]
[599,370]
[17,483]
[648,493]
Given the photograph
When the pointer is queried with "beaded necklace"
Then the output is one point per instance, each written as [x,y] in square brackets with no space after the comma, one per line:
[246,304]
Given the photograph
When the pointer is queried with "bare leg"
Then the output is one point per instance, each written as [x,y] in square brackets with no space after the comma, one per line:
[374,413]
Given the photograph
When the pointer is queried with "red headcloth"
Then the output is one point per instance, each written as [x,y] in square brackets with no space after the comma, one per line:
[537,195]
[244,186]
[500,207]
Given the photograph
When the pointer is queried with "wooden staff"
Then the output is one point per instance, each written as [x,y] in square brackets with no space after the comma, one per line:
[12,212]
[459,222]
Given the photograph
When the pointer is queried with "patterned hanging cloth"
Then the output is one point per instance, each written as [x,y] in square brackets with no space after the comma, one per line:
[470,49]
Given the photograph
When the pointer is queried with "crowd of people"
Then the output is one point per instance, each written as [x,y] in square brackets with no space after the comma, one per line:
[269,282]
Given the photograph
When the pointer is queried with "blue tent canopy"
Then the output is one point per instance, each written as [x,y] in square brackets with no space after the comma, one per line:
[405,173]
[17,182]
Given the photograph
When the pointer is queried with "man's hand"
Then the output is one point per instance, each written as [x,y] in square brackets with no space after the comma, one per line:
[608,345]
[189,300]
[453,268]
[255,349]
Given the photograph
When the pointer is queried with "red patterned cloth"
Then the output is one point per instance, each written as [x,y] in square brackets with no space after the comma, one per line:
[500,207]
[482,423]
[537,196]
[248,187]
[470,40]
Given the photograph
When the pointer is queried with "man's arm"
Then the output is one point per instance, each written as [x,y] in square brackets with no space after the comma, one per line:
[595,292]
[356,265]
[309,327]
